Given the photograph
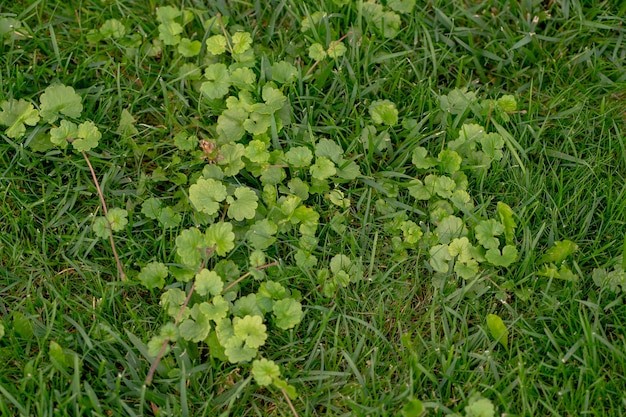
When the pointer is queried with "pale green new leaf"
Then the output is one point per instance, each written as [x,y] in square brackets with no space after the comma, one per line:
[251,330]
[322,169]
[216,44]
[401,6]
[506,258]
[191,246]
[245,204]
[101,227]
[557,253]
[241,42]
[206,194]
[231,161]
[230,124]
[328,149]
[384,112]
[449,228]
[218,81]
[317,52]
[261,234]
[60,135]
[189,48]
[59,99]
[256,151]
[420,160]
[169,29]
[299,156]
[462,248]
[112,28]
[88,137]
[221,238]
[486,232]
[217,310]
[17,113]
[247,306]
[506,218]
[172,301]
[208,282]
[195,329]
[153,275]
[118,218]
[265,371]
[243,78]
[498,329]
[439,258]
[284,73]
[287,313]
[336,49]
[449,161]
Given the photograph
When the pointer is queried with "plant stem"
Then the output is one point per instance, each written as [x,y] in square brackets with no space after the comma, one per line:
[166,341]
[120,270]
[244,276]
[293,410]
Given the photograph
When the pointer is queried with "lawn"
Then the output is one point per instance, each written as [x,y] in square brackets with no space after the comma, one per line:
[312,208]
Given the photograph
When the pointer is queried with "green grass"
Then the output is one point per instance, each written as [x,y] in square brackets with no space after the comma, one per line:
[398,333]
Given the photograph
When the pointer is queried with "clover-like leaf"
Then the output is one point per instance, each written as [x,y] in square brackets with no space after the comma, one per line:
[299,156]
[384,112]
[217,309]
[195,329]
[243,78]
[287,313]
[101,227]
[486,232]
[153,275]
[189,48]
[506,258]
[251,330]
[216,44]
[206,194]
[191,246]
[208,282]
[329,149]
[284,73]
[112,28]
[317,52]
[87,137]
[66,131]
[557,253]
[245,204]
[241,42]
[218,81]
[265,371]
[439,258]
[261,234]
[336,49]
[118,218]
[169,29]
[450,161]
[60,99]
[220,237]
[420,160]
[16,114]
[322,169]
[450,227]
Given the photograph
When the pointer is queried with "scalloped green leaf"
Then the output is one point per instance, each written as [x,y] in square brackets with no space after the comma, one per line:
[206,194]
[153,275]
[60,99]
[16,114]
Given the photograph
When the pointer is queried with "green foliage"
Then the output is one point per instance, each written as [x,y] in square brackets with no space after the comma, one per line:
[498,329]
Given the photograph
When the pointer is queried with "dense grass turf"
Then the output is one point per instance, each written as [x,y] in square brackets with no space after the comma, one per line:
[396,335]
